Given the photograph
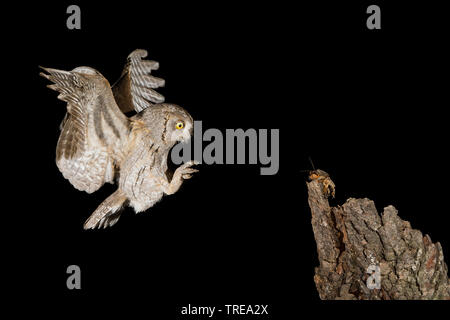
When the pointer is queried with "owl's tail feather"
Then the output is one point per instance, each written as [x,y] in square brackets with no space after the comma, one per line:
[108,212]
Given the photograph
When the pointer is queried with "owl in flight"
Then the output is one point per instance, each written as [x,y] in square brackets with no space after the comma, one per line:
[99,143]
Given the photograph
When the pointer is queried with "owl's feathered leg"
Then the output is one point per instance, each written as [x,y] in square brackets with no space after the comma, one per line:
[183,172]
[108,212]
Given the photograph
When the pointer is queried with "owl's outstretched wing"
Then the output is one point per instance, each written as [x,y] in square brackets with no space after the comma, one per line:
[134,89]
[94,130]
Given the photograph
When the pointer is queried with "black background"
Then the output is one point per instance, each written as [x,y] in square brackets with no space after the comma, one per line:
[366,105]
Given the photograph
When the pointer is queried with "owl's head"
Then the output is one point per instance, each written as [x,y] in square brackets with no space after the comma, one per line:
[168,123]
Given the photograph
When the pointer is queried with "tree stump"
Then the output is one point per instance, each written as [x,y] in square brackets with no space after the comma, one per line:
[365,256]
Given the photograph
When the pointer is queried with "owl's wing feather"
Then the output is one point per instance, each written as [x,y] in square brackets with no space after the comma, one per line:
[108,212]
[134,89]
[94,130]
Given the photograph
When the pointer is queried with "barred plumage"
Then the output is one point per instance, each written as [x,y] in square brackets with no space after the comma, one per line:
[135,85]
[98,143]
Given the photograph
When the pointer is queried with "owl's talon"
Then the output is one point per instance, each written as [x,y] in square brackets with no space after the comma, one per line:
[134,148]
[187,173]
[190,164]
[183,172]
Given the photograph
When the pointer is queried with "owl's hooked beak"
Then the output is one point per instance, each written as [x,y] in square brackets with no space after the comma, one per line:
[187,133]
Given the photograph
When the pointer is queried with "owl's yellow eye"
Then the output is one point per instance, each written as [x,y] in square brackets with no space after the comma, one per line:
[179,125]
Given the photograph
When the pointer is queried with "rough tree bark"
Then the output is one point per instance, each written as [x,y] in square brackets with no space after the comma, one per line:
[353,237]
